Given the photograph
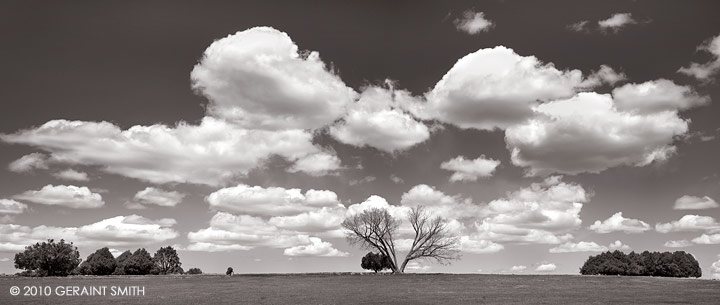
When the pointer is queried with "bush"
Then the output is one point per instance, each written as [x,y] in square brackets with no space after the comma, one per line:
[48,259]
[101,262]
[121,261]
[194,271]
[139,263]
[375,262]
[666,264]
[229,271]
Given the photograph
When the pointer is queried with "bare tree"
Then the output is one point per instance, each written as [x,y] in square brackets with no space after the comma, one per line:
[376,229]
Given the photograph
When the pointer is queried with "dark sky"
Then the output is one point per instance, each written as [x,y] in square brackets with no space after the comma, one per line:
[129,63]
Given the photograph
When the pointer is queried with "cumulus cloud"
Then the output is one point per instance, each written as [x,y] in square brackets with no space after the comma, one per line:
[213,152]
[689,223]
[416,266]
[155,196]
[656,96]
[9,206]
[378,120]
[587,133]
[78,197]
[258,78]
[707,239]
[473,22]
[583,246]
[705,71]
[317,164]
[688,202]
[543,213]
[71,174]
[271,201]
[605,75]
[715,268]
[550,267]
[678,243]
[618,223]
[496,88]
[132,230]
[616,22]
[317,247]
[618,245]
[519,268]
[470,170]
[29,163]
[479,246]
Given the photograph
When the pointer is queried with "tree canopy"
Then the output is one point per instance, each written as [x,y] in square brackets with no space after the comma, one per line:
[666,264]
[375,262]
[48,258]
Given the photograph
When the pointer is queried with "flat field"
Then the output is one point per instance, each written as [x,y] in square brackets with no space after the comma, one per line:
[364,289]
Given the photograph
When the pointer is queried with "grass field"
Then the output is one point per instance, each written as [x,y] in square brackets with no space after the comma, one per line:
[374,289]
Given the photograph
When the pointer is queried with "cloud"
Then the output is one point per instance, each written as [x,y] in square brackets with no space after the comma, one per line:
[473,23]
[519,268]
[687,202]
[470,245]
[366,179]
[583,246]
[71,174]
[395,179]
[707,239]
[618,245]
[317,164]
[213,152]
[470,170]
[9,206]
[656,96]
[543,213]
[616,22]
[77,197]
[132,230]
[416,266]
[155,196]
[587,133]
[605,75]
[580,26]
[29,163]
[618,223]
[271,201]
[317,247]
[378,120]
[496,88]
[705,71]
[438,203]
[546,268]
[678,243]
[257,78]
[715,269]
[689,223]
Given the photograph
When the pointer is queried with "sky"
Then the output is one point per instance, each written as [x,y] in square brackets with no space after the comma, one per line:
[242,134]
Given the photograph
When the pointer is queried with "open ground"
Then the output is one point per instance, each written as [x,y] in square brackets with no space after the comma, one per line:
[374,289]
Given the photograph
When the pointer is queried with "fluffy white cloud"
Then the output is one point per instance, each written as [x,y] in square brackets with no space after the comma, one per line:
[416,266]
[616,22]
[479,246]
[470,170]
[688,202]
[582,246]
[618,245]
[132,230]
[707,70]
[29,162]
[605,75]
[496,88]
[656,96]
[542,213]
[317,247]
[213,152]
[271,201]
[689,223]
[9,206]
[707,239]
[438,203]
[587,133]
[519,268]
[317,164]
[473,22]
[715,268]
[618,223]
[678,243]
[78,197]
[550,267]
[257,78]
[378,120]
[71,174]
[151,195]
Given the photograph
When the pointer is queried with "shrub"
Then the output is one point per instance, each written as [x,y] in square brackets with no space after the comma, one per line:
[375,262]
[666,264]
[229,271]
[101,262]
[48,258]
[194,271]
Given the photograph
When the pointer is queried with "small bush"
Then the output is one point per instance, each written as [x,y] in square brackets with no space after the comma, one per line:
[194,271]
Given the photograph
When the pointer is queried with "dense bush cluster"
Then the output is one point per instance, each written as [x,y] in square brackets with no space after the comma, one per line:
[667,264]
[194,271]
[375,262]
[62,259]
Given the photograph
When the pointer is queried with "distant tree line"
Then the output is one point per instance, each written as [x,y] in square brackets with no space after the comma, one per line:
[61,259]
[666,264]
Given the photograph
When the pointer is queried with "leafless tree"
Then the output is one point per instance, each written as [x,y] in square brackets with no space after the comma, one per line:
[377,229]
